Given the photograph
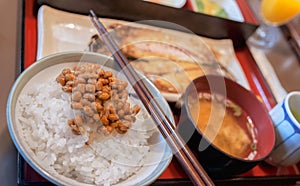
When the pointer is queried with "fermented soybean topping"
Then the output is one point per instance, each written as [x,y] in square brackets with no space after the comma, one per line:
[100,98]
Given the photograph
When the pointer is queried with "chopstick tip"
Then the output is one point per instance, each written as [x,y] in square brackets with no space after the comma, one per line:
[92,13]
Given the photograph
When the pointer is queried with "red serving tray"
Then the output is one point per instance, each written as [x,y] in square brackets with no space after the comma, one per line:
[260,174]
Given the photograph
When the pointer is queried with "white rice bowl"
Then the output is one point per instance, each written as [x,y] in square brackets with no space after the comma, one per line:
[38,111]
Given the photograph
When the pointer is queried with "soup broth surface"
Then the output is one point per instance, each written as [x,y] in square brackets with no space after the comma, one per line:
[225,124]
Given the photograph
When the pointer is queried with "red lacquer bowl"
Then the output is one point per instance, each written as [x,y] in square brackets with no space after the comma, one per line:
[216,162]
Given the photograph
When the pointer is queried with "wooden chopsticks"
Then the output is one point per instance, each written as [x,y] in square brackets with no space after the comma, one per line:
[183,154]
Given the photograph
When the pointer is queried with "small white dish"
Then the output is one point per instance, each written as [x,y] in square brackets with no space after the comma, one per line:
[172,3]
[229,6]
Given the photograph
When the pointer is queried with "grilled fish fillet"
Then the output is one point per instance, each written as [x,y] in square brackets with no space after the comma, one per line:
[169,61]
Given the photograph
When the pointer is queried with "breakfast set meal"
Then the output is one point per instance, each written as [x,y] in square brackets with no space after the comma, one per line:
[83,125]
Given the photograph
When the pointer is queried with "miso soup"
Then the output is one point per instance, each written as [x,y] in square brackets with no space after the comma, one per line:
[225,124]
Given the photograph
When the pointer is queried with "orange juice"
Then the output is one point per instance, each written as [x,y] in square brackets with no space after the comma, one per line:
[277,12]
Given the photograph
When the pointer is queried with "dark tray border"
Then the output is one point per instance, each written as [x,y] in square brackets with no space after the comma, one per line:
[238,181]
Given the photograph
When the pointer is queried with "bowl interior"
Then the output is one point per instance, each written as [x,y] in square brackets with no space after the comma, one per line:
[246,100]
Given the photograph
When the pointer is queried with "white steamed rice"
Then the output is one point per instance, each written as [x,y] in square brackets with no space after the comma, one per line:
[43,114]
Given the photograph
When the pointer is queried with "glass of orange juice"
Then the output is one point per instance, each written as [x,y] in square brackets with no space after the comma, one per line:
[273,13]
